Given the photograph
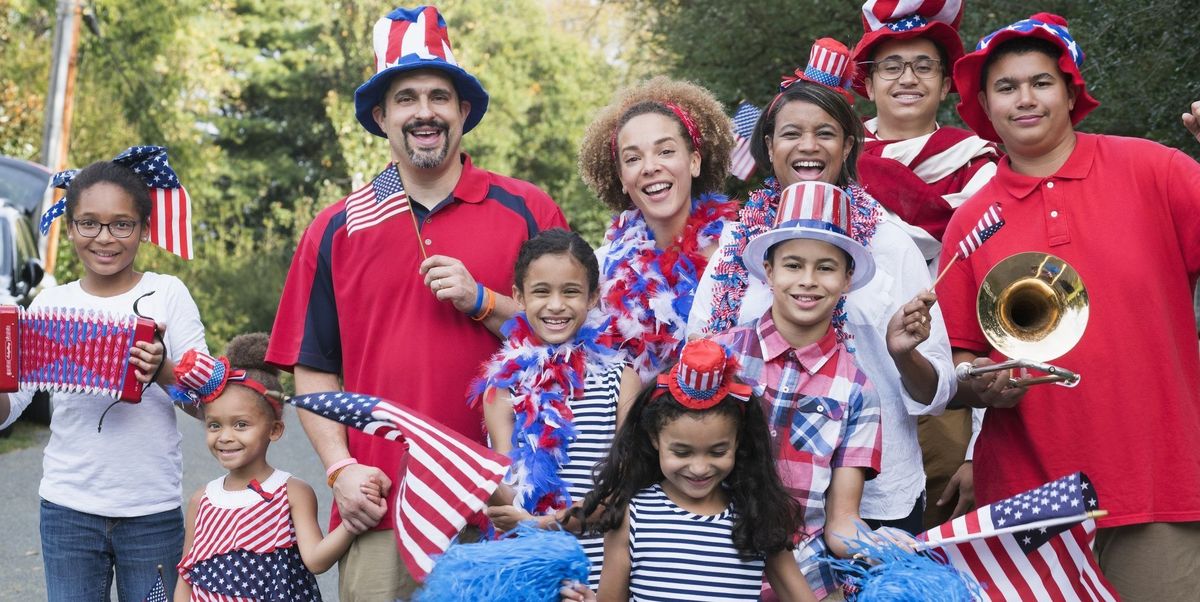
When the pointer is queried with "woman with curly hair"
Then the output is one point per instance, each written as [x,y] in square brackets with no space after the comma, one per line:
[658,155]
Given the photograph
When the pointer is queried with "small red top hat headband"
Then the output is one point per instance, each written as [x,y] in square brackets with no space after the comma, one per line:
[201,378]
[408,39]
[1045,26]
[703,376]
[885,20]
[171,209]
[829,64]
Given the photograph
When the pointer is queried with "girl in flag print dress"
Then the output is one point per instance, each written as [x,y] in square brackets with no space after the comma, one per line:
[555,394]
[658,155]
[688,499]
[252,534]
[114,463]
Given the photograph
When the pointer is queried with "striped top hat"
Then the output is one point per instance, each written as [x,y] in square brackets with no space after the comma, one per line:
[1045,26]
[814,210]
[703,376]
[886,20]
[408,39]
[829,64]
[201,376]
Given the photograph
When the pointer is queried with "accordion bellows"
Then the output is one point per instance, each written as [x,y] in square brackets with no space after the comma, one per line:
[69,350]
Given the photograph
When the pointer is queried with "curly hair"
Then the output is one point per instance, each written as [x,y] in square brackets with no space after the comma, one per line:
[249,352]
[598,166]
[767,516]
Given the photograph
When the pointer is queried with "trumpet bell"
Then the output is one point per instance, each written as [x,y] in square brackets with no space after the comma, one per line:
[1033,305]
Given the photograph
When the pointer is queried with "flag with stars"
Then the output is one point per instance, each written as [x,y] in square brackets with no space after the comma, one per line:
[158,593]
[446,478]
[1042,563]
[370,205]
[741,162]
[991,222]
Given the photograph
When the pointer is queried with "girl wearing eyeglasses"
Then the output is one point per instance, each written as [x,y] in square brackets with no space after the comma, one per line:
[110,497]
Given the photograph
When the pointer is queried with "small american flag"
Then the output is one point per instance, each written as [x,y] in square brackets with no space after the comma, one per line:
[741,162]
[446,479]
[158,593]
[989,224]
[171,212]
[1042,563]
[370,205]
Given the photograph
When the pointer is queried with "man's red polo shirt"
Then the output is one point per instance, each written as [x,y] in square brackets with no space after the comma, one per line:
[1125,213]
[355,304]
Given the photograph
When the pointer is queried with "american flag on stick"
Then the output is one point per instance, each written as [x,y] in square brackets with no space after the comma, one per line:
[158,593]
[446,478]
[989,224]
[740,160]
[1033,546]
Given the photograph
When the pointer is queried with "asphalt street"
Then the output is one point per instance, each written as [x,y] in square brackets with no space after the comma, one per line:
[21,576]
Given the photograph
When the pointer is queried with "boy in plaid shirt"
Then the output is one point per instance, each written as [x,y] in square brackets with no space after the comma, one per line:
[824,417]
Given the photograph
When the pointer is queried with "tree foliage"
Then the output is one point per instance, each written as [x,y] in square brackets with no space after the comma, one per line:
[1140,56]
[255,100]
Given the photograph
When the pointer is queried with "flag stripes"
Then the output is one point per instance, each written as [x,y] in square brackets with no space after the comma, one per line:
[988,225]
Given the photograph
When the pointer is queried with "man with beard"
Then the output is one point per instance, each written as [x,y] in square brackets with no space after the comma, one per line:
[394,288]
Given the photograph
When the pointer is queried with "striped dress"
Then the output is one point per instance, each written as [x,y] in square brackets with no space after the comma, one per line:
[596,424]
[677,556]
[244,548]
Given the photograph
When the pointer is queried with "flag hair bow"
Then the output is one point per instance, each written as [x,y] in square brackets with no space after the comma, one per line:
[201,378]
[704,375]
[171,207]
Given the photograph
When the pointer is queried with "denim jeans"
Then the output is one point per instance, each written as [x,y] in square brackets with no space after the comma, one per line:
[80,552]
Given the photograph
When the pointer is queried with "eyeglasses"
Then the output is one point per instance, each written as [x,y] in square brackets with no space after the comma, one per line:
[90,228]
[891,69]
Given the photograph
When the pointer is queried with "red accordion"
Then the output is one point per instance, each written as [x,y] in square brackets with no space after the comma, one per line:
[69,350]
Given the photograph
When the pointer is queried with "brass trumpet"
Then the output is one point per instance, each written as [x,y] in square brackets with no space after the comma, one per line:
[1032,306]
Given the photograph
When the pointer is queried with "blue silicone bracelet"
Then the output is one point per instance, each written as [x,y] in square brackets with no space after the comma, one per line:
[478,299]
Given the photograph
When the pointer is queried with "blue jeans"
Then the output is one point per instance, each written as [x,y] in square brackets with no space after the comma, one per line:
[80,552]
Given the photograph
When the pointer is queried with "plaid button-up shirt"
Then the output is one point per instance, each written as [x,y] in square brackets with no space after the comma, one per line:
[822,413]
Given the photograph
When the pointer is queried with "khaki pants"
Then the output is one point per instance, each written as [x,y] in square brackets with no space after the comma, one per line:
[1157,562]
[372,570]
[944,441]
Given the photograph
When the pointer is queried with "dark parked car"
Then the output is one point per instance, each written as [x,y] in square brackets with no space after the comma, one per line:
[22,185]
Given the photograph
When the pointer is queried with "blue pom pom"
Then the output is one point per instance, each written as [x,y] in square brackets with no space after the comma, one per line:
[527,568]
[897,574]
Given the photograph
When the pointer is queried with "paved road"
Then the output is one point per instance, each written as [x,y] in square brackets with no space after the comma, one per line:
[21,575]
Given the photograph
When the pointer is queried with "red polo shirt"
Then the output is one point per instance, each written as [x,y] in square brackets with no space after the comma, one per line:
[354,303]
[1125,213]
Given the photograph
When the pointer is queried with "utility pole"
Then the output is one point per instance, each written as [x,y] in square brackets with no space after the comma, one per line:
[59,105]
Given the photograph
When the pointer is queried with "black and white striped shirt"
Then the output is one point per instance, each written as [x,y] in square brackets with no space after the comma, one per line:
[678,556]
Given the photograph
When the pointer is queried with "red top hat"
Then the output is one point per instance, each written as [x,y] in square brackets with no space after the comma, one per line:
[703,376]
[885,20]
[815,210]
[408,39]
[201,378]
[829,64]
[1046,26]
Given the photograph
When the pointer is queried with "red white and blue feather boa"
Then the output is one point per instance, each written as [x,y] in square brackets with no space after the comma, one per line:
[542,380]
[758,216]
[648,290]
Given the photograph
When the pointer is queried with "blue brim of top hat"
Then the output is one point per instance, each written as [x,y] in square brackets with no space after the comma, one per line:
[756,251]
[368,95]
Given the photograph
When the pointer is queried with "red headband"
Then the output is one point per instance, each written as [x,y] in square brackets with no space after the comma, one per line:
[684,117]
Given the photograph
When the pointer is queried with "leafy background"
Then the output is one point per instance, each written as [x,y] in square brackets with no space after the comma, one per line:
[255,97]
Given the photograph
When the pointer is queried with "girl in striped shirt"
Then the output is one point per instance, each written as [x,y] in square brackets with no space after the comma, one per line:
[689,500]
[251,534]
[552,395]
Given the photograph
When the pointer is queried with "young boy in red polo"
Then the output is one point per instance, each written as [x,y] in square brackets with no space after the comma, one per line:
[921,172]
[1125,213]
